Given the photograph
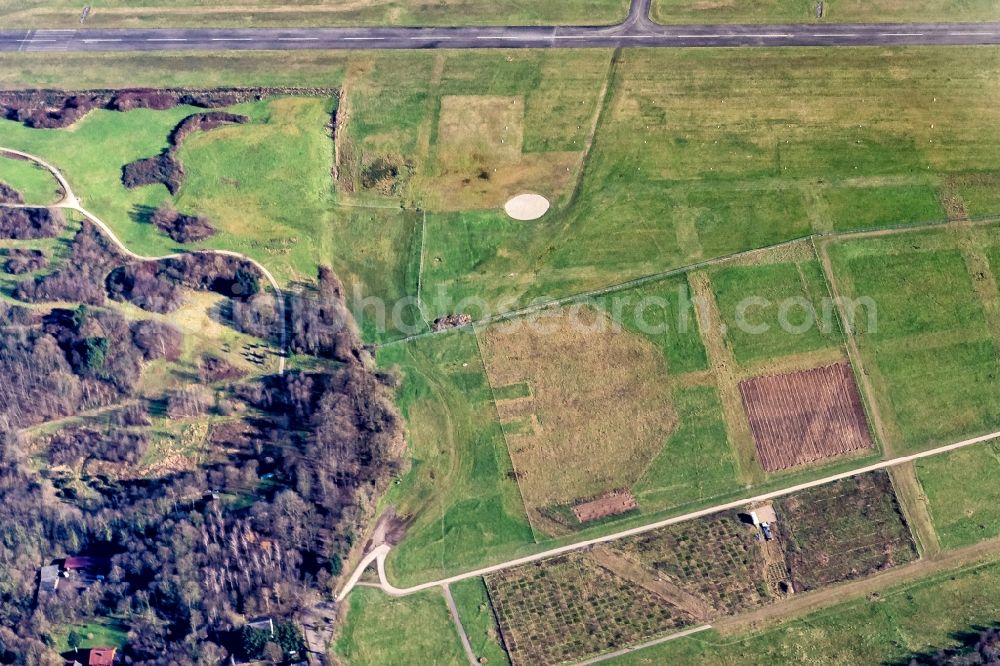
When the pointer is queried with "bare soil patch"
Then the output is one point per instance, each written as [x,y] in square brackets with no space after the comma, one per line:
[802,417]
[608,504]
[479,158]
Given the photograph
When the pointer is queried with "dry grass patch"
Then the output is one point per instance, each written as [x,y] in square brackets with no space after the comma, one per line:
[480,163]
[599,407]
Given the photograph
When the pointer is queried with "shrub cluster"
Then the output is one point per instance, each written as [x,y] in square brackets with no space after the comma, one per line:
[180,227]
[166,168]
[30,223]
[22,260]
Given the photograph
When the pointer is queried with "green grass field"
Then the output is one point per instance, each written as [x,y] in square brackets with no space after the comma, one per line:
[773,310]
[963,494]
[664,312]
[265,185]
[479,620]
[384,631]
[298,13]
[931,351]
[835,11]
[36,185]
[696,462]
[464,504]
[99,632]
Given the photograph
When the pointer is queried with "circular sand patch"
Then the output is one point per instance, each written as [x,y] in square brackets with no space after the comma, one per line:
[526,206]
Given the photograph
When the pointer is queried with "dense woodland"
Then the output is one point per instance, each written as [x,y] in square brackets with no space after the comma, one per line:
[260,530]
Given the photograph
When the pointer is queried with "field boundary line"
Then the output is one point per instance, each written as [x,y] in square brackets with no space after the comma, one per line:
[379,554]
[420,267]
[651,278]
[642,646]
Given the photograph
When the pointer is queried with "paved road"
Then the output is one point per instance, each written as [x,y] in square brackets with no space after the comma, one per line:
[378,555]
[70,201]
[636,30]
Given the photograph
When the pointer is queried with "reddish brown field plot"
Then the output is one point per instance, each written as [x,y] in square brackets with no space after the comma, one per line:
[806,416]
[569,607]
[843,530]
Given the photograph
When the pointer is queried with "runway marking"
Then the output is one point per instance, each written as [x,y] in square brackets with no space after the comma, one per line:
[900,34]
[167,39]
[298,39]
[435,39]
[363,38]
[232,39]
[972,34]
[91,41]
[842,34]
[537,38]
[39,40]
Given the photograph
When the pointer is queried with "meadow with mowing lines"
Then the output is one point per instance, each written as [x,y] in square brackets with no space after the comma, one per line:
[384,631]
[963,494]
[843,530]
[907,619]
[36,185]
[696,463]
[459,492]
[811,146]
[773,310]
[297,13]
[479,620]
[931,349]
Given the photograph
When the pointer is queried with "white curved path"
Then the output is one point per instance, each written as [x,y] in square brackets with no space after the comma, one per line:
[378,555]
[70,201]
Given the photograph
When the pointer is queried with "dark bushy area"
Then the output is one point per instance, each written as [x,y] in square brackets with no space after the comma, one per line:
[166,168]
[180,227]
[187,566]
[157,286]
[216,369]
[162,168]
[81,277]
[60,108]
[74,445]
[316,321]
[30,223]
[10,195]
[21,260]
[68,361]
[979,648]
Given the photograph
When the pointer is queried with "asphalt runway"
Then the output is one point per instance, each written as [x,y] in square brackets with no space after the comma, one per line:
[636,30]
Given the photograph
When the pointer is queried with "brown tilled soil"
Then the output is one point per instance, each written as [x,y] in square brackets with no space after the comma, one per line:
[608,504]
[805,416]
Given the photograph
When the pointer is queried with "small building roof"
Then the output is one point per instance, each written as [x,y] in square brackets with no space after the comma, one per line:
[84,562]
[102,656]
[49,578]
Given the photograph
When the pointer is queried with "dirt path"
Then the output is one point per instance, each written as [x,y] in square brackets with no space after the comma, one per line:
[916,508]
[378,555]
[70,201]
[457,619]
[723,364]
